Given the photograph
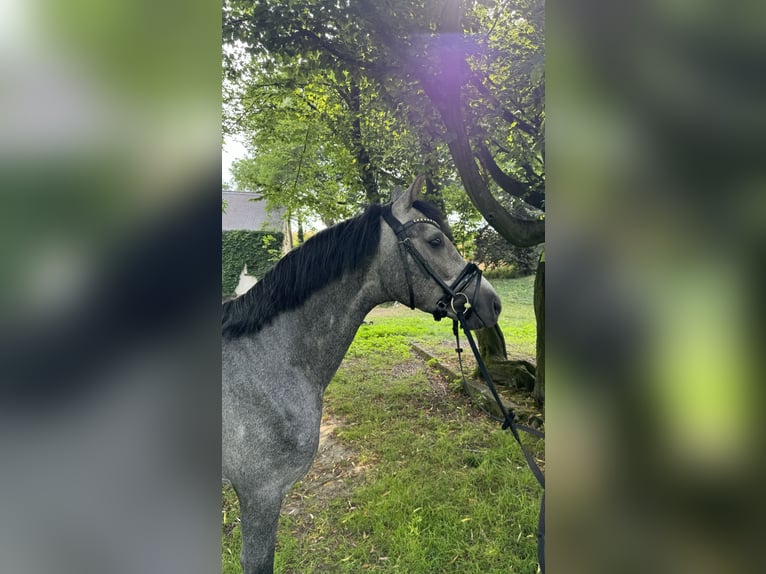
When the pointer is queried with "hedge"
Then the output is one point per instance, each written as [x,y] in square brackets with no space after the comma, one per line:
[259,250]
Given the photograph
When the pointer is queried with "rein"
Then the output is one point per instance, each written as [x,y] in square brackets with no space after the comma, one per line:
[462,310]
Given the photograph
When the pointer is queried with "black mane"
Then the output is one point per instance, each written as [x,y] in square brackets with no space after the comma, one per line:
[329,254]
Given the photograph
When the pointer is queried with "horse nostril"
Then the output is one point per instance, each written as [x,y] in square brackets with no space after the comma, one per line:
[497,306]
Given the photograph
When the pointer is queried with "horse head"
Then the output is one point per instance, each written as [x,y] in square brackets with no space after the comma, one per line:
[421,267]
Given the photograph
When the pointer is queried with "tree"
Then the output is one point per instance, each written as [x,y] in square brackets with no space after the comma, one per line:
[419,80]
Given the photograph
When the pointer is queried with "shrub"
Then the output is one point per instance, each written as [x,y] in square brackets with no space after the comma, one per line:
[501,272]
[499,256]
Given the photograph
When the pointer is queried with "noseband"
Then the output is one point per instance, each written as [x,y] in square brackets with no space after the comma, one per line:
[453,297]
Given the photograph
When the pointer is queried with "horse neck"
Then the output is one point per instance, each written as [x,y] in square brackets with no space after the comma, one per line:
[316,336]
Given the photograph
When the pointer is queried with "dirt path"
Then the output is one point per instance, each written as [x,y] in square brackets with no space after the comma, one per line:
[327,478]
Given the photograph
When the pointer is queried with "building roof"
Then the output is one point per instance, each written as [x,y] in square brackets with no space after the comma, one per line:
[247,210]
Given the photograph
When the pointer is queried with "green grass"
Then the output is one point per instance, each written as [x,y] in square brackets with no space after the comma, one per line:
[518,315]
[444,490]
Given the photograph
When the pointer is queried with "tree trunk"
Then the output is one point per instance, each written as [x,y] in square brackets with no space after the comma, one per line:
[363,160]
[519,374]
[491,344]
[539,390]
[444,89]
[433,194]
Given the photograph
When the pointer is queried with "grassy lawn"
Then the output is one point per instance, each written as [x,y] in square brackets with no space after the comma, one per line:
[425,483]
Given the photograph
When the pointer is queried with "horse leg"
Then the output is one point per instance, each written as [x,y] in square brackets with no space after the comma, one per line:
[259,515]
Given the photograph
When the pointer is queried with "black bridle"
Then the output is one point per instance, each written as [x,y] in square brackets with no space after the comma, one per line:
[454,296]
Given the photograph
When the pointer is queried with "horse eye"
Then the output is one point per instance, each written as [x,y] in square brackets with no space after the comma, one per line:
[435,242]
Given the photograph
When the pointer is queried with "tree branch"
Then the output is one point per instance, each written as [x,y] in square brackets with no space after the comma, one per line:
[507,183]
[518,231]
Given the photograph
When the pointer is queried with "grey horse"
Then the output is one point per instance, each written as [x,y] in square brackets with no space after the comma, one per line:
[283,340]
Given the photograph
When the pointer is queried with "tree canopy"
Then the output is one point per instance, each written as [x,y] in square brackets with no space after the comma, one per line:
[341,100]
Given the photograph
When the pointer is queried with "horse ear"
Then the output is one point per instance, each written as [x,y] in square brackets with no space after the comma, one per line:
[396,194]
[409,196]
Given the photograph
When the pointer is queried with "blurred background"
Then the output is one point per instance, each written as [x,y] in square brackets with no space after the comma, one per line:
[656,119]
[109,291]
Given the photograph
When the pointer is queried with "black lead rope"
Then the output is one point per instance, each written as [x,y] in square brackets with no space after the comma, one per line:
[508,423]
[508,417]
